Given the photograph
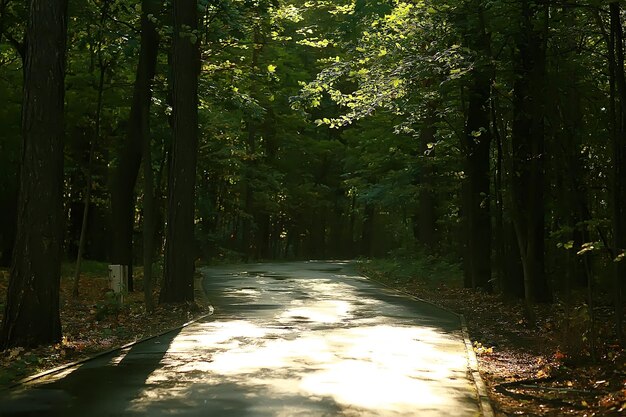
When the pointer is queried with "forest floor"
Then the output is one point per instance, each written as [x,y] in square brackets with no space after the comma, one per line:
[532,367]
[95,322]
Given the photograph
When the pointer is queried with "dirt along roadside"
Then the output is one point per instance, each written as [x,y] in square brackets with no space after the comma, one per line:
[94,322]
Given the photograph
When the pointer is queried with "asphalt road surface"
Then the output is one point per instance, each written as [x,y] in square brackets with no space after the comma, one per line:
[287,339]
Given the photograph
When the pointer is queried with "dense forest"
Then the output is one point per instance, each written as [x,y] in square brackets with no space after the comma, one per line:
[151,132]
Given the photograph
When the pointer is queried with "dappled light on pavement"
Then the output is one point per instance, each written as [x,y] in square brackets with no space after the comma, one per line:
[329,346]
[295,339]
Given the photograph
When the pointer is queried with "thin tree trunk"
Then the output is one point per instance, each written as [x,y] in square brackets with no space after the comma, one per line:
[125,174]
[3,8]
[424,221]
[148,224]
[89,175]
[31,315]
[247,236]
[619,167]
[150,40]
[367,234]
[499,236]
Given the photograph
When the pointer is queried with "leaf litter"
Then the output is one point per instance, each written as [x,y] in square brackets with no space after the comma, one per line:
[530,365]
[95,322]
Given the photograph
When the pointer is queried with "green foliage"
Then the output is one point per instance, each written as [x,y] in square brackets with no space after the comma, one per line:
[90,268]
[404,267]
[316,114]
[109,307]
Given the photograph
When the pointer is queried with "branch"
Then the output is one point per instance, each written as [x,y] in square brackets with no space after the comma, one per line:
[20,47]
[123,23]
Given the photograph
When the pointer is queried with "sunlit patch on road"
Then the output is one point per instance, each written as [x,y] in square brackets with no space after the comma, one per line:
[361,360]
[317,343]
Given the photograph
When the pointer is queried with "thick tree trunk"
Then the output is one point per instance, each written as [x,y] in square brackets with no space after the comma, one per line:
[527,178]
[31,315]
[476,145]
[179,247]
[125,174]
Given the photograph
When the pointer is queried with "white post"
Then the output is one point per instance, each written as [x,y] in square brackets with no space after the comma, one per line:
[118,280]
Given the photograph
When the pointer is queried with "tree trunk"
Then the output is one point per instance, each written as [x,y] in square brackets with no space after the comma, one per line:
[179,247]
[89,174]
[619,166]
[31,314]
[509,269]
[424,221]
[248,236]
[476,144]
[367,234]
[125,174]
[528,153]
[149,40]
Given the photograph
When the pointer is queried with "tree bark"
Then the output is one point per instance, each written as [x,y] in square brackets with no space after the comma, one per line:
[102,66]
[149,40]
[619,165]
[425,220]
[476,145]
[367,233]
[179,246]
[528,135]
[88,183]
[31,314]
[508,263]
[249,238]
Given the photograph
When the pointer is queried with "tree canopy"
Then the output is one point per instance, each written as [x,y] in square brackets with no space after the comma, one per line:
[491,133]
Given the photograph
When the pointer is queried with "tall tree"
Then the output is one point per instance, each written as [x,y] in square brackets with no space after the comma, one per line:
[179,245]
[528,136]
[32,311]
[616,53]
[102,68]
[476,143]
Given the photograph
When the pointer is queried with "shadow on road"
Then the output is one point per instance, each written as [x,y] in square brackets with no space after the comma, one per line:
[103,386]
[299,339]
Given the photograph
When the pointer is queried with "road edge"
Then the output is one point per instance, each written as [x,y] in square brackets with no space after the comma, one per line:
[60,368]
[484,402]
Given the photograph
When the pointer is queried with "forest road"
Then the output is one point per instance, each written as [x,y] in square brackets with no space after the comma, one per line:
[286,339]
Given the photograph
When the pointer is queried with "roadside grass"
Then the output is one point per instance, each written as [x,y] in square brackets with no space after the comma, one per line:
[88,269]
[423,270]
